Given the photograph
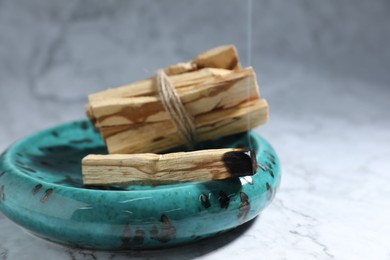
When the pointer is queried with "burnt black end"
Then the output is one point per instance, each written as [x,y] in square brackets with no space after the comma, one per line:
[241,162]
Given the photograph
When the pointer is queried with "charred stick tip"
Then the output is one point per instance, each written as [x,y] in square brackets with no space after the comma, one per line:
[241,162]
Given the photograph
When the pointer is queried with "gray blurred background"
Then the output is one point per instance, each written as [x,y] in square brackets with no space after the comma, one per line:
[307,53]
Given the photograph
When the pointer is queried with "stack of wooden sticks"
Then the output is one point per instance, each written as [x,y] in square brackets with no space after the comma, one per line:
[222,98]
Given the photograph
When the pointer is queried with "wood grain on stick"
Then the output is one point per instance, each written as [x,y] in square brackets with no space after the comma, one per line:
[159,136]
[155,169]
[224,57]
[219,92]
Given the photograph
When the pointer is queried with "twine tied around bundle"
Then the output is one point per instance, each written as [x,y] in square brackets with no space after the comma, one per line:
[180,117]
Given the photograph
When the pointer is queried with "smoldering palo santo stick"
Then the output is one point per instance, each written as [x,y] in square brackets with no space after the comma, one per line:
[149,168]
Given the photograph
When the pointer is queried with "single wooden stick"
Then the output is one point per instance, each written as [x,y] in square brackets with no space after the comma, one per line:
[224,57]
[220,92]
[160,136]
[149,168]
[147,88]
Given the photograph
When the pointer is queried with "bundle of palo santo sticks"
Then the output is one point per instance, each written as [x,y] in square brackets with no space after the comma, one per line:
[220,97]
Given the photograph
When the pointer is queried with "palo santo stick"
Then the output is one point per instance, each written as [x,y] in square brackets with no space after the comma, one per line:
[147,87]
[218,93]
[224,57]
[149,168]
[149,137]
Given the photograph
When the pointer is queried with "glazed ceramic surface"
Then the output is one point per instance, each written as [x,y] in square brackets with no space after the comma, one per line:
[41,189]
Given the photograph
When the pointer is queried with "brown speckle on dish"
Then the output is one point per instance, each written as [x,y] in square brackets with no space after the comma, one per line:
[167,230]
[36,189]
[84,125]
[81,141]
[126,237]
[2,194]
[270,191]
[224,200]
[26,169]
[46,195]
[204,200]
[55,133]
[244,206]
[139,237]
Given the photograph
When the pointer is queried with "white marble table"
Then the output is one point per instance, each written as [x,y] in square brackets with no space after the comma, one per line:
[332,135]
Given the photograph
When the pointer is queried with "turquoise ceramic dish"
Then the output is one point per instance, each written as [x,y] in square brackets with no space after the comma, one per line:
[41,190]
